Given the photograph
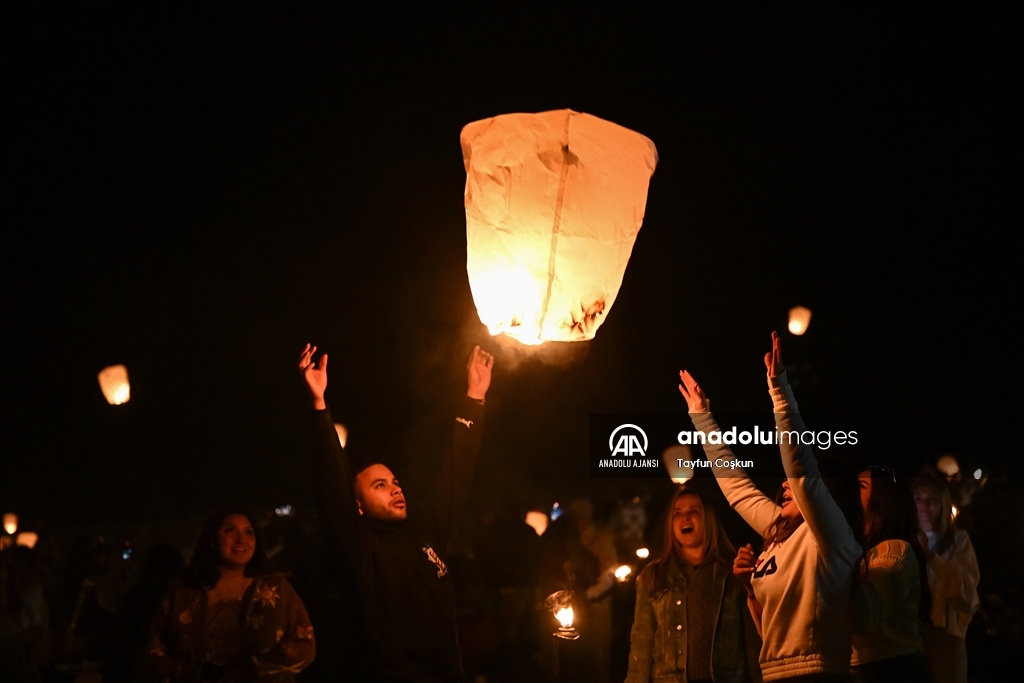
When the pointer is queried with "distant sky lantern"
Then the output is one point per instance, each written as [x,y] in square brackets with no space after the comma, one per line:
[948,465]
[114,384]
[27,539]
[537,520]
[678,461]
[554,202]
[342,433]
[799,320]
[10,522]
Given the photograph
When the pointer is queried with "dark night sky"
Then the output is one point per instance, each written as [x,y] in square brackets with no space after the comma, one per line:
[195,192]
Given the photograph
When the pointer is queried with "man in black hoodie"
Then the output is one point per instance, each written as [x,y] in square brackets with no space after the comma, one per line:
[406,600]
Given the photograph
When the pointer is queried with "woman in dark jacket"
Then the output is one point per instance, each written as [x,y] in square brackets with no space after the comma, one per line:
[231,619]
[692,622]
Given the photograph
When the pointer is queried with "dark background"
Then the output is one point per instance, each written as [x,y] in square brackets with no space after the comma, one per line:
[196,192]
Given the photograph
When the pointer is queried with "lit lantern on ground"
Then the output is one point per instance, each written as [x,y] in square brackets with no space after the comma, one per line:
[10,522]
[554,202]
[114,384]
[799,320]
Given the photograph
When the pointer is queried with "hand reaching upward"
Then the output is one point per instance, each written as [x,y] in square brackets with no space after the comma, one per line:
[478,373]
[773,359]
[696,401]
[315,375]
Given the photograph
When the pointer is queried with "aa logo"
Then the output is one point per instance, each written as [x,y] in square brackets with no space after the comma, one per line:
[432,556]
[767,568]
[627,444]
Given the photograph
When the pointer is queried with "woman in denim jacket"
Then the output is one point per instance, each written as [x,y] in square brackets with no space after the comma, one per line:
[692,622]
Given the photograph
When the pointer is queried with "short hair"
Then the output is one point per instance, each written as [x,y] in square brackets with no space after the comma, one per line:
[203,567]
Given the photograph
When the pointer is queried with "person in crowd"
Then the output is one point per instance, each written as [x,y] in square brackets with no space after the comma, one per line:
[799,588]
[692,622]
[952,578]
[396,552]
[892,594]
[231,618]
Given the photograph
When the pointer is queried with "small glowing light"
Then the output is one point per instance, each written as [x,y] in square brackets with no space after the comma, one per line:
[556,512]
[955,511]
[799,320]
[27,539]
[948,465]
[643,553]
[977,473]
[564,616]
[114,384]
[622,572]
[283,511]
[342,433]
[538,520]
[560,604]
[678,461]
[10,522]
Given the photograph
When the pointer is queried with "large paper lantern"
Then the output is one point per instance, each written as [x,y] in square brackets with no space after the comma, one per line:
[554,202]
[114,384]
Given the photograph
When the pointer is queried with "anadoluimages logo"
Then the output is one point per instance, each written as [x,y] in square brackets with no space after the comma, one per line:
[627,444]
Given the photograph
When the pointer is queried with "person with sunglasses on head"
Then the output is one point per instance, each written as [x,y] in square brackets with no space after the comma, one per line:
[799,587]
[892,594]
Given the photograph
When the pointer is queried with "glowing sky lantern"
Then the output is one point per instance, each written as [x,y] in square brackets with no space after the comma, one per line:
[799,320]
[537,520]
[27,539]
[678,461]
[10,522]
[948,465]
[114,384]
[554,202]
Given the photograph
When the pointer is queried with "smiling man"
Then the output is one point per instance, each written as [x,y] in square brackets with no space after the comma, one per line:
[395,549]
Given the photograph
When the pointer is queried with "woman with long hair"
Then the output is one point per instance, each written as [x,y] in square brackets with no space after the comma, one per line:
[892,595]
[691,622]
[231,618]
[801,583]
[952,577]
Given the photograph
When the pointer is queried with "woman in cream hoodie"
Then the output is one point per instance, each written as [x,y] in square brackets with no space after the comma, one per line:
[801,582]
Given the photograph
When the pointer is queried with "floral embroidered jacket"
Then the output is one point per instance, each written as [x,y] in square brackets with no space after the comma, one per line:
[277,638]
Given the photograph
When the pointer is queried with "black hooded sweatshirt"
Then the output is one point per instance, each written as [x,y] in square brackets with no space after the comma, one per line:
[405,594]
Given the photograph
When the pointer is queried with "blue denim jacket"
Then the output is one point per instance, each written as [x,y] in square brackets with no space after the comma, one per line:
[658,647]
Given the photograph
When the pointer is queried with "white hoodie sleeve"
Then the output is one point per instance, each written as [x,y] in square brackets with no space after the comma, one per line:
[826,521]
[756,509]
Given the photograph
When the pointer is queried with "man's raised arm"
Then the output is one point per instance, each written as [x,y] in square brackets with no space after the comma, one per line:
[452,486]
[332,475]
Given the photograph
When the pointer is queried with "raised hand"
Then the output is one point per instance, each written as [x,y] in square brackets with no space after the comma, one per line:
[743,567]
[773,359]
[315,375]
[696,401]
[478,373]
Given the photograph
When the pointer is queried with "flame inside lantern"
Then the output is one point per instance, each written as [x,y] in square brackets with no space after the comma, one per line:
[114,384]
[10,522]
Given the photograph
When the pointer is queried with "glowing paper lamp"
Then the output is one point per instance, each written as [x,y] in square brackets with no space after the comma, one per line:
[537,520]
[643,553]
[554,202]
[948,465]
[10,522]
[114,384]
[799,320]
[678,461]
[27,539]
[342,433]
